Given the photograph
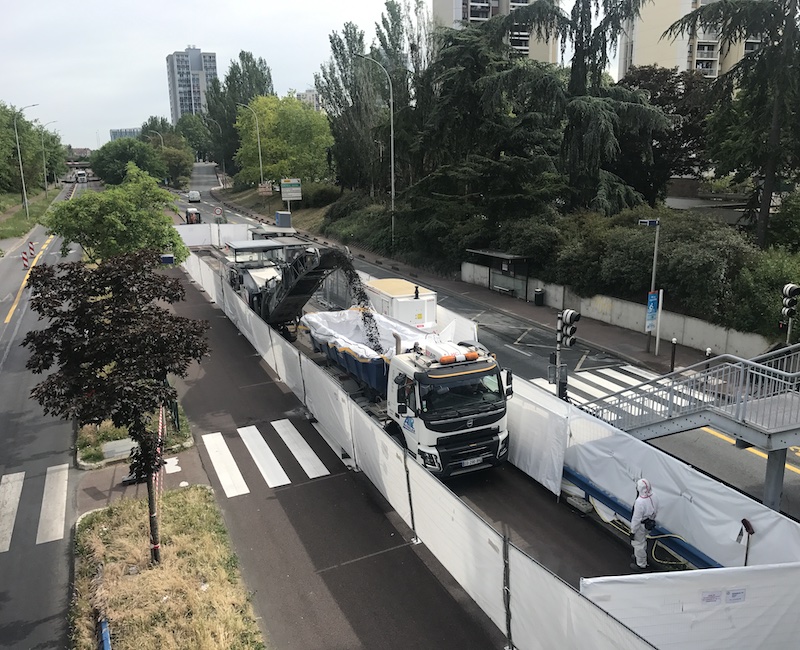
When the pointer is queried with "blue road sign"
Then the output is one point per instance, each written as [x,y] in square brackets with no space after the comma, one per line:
[652,311]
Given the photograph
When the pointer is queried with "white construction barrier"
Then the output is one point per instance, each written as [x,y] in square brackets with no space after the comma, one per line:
[328,404]
[753,607]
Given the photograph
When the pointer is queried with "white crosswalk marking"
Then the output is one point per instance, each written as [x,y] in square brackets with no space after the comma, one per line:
[588,385]
[10,490]
[54,505]
[308,460]
[265,460]
[225,466]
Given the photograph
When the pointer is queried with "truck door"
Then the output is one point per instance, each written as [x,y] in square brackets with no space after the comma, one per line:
[407,395]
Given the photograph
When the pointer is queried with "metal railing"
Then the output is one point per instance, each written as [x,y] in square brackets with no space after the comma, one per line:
[761,393]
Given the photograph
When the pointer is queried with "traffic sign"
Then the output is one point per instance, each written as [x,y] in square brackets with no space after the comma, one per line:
[291,190]
[265,189]
[217,211]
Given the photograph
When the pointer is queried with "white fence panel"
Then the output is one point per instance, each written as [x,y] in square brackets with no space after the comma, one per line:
[329,404]
[752,607]
[381,459]
[287,363]
[537,423]
[547,613]
[465,544]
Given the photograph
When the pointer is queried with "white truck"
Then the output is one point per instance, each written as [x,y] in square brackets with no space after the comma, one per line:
[445,402]
[403,300]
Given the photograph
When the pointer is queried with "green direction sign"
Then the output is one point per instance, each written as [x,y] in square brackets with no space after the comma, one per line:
[290,189]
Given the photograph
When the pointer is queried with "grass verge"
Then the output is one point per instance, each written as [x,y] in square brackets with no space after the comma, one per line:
[19,223]
[194,598]
[91,436]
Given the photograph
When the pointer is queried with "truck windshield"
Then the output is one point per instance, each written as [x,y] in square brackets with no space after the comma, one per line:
[468,395]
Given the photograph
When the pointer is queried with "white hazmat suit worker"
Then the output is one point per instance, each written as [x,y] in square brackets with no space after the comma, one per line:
[645,510]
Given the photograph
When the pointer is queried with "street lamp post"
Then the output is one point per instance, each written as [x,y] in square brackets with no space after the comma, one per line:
[221,147]
[44,161]
[657,224]
[160,136]
[391,127]
[258,135]
[19,156]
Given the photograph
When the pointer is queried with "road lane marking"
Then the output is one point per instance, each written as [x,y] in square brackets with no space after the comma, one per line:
[227,471]
[752,450]
[10,490]
[25,280]
[511,347]
[265,460]
[54,505]
[302,451]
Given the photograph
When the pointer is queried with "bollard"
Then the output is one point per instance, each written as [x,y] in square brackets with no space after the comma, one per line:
[672,360]
[24,259]
[30,250]
[708,356]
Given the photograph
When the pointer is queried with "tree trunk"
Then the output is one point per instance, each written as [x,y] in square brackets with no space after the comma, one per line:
[155,540]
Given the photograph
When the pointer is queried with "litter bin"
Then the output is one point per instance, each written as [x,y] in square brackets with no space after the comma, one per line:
[538,297]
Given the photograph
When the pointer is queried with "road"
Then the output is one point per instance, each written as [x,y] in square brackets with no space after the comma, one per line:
[524,347]
[37,488]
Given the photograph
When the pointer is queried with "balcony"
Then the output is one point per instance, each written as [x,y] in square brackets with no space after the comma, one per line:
[707,54]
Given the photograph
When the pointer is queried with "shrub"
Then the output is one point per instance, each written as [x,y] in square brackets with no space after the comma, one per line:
[319,195]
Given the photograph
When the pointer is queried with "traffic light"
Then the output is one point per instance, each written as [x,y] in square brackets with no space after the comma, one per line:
[567,328]
[790,293]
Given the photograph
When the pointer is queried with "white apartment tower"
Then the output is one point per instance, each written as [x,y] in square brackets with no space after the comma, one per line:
[642,43]
[453,13]
[189,74]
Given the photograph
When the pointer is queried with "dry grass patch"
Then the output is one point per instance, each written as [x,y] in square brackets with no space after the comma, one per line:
[194,599]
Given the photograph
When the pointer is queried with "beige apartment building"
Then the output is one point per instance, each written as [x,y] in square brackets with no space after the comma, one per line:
[453,13]
[642,43]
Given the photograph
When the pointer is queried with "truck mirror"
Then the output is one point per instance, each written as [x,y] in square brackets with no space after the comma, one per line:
[400,379]
[509,382]
[402,409]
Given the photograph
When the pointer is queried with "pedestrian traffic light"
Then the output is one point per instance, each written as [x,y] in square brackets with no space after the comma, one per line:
[790,293]
[567,327]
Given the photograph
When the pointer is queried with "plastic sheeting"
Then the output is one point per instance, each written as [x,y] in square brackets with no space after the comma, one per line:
[345,329]
[465,544]
[326,401]
[287,362]
[213,234]
[539,423]
[706,513]
[381,459]
[464,329]
[546,613]
[752,607]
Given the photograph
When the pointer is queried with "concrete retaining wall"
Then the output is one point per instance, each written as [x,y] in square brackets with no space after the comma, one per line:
[689,331]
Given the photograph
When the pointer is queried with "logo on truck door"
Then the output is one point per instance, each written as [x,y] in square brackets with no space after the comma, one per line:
[408,423]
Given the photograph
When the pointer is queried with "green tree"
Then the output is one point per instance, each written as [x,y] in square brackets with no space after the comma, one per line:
[119,220]
[598,119]
[197,134]
[155,124]
[679,149]
[246,78]
[111,346]
[178,163]
[30,146]
[764,81]
[110,162]
[294,140]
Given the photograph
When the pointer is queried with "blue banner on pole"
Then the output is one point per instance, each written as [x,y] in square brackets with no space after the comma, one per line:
[652,311]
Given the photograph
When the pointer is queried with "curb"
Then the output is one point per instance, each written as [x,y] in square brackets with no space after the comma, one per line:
[100,464]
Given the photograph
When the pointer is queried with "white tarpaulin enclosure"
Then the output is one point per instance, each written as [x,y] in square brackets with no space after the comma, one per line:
[539,610]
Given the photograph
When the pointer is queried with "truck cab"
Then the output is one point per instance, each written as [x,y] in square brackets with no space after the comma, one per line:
[193,216]
[447,406]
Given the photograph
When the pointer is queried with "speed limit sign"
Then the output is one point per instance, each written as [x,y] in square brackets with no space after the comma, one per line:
[218,211]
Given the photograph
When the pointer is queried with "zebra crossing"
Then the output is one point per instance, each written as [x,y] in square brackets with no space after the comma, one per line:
[263,456]
[588,385]
[53,510]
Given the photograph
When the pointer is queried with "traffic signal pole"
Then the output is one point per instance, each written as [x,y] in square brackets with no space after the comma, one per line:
[565,335]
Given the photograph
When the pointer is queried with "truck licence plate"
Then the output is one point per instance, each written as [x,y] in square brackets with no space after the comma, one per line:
[471,461]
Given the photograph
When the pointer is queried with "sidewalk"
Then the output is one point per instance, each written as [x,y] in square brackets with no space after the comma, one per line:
[624,343]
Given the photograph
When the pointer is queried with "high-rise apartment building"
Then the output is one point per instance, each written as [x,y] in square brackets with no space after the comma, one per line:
[133,132]
[189,74]
[642,43]
[453,13]
[310,97]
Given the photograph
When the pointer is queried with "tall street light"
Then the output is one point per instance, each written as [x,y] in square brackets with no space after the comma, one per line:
[258,135]
[44,161]
[19,156]
[221,148]
[160,136]
[391,127]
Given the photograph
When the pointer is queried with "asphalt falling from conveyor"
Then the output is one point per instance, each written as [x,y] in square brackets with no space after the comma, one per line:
[344,263]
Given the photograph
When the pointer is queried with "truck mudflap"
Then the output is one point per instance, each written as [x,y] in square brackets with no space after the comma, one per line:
[470,452]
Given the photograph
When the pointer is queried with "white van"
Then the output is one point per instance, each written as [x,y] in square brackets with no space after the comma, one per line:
[194,196]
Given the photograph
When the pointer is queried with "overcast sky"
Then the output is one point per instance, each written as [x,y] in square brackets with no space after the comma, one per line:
[94,65]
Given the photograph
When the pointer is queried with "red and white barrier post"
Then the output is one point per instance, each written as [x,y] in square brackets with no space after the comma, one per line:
[30,250]
[24,259]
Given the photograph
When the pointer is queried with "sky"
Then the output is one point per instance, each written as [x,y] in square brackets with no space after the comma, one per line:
[95,65]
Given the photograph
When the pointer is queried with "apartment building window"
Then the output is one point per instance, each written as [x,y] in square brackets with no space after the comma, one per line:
[751,46]
[706,51]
